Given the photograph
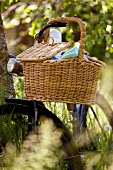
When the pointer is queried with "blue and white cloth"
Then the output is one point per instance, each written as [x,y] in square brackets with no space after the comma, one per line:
[72,53]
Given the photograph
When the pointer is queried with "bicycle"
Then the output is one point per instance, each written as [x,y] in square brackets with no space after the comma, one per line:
[19,109]
[34,110]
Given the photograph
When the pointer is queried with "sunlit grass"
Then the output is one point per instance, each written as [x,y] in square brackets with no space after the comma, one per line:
[92,122]
[38,152]
[60,109]
[19,87]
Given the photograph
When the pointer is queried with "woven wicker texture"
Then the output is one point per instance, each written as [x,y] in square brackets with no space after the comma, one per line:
[42,51]
[72,80]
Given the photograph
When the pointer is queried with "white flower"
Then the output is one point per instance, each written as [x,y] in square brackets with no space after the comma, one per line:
[107,128]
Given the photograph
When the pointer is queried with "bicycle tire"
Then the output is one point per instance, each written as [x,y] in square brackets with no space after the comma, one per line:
[72,152]
[103,103]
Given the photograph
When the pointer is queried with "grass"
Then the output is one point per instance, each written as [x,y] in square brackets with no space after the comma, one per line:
[37,152]
[45,153]
[42,153]
[102,157]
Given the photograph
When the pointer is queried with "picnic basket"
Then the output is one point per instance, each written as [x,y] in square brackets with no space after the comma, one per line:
[72,80]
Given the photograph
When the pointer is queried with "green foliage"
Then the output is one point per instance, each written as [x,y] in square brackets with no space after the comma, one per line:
[97,16]
[5,4]
[10,1]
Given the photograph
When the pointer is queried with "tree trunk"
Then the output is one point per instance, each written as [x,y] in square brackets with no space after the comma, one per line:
[6,81]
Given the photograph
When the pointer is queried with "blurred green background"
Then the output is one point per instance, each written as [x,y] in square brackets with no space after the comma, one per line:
[22,19]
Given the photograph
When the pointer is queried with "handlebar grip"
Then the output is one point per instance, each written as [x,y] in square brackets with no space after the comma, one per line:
[14,66]
[11,56]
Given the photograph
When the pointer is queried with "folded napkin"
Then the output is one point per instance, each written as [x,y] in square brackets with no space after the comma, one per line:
[72,53]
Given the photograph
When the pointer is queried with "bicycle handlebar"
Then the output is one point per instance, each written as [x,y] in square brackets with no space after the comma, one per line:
[14,66]
[40,36]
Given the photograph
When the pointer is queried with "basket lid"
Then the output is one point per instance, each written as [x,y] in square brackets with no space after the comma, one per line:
[42,51]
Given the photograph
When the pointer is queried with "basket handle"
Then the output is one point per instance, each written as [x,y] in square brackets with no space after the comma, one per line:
[82,35]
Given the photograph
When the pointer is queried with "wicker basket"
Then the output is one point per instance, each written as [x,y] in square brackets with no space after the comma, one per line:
[68,80]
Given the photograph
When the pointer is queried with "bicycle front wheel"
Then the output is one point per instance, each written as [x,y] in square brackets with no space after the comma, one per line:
[22,113]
